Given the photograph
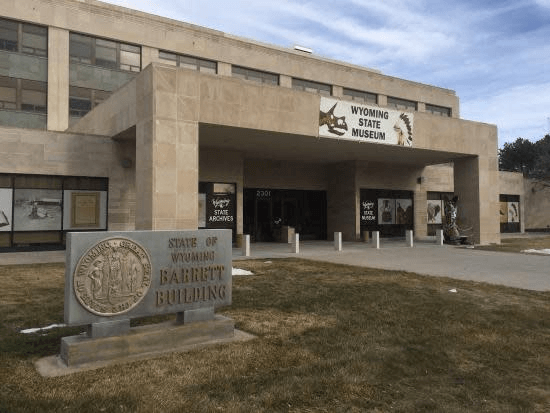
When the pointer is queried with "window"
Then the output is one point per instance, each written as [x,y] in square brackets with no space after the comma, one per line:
[82,100]
[401,103]
[189,62]
[23,38]
[34,40]
[104,53]
[34,96]
[255,75]
[309,86]
[359,96]
[438,110]
[23,197]
[8,93]
[23,95]
[8,35]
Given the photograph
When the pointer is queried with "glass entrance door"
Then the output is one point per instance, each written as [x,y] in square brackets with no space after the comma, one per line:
[267,212]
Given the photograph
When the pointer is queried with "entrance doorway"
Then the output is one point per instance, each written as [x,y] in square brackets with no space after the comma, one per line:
[267,212]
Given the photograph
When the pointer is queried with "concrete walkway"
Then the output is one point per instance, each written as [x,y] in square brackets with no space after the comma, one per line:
[530,272]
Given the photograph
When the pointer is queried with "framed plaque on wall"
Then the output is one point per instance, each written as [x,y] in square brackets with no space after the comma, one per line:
[85,209]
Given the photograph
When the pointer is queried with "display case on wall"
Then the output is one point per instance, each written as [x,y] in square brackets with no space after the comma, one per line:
[38,210]
[390,212]
[510,216]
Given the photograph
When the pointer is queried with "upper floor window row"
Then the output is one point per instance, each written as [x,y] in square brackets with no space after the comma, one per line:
[104,53]
[23,95]
[364,97]
[23,38]
[83,100]
[438,110]
[189,62]
[255,75]
[401,104]
[309,86]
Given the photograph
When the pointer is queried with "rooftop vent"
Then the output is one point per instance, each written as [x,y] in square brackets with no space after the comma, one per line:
[303,49]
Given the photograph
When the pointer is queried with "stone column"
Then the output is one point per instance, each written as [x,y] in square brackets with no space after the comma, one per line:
[343,201]
[58,79]
[476,184]
[224,69]
[148,56]
[285,81]
[420,212]
[167,149]
[337,91]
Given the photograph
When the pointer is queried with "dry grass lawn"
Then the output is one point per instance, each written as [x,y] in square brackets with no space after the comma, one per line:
[519,244]
[331,338]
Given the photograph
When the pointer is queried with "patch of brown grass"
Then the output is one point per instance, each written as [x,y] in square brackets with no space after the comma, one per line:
[331,338]
[519,244]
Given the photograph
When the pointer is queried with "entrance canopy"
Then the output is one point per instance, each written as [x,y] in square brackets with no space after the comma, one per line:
[257,144]
[176,111]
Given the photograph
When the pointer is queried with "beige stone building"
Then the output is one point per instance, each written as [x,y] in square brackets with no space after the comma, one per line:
[114,119]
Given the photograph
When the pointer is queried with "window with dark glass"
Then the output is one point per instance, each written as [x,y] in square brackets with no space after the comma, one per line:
[401,104]
[23,38]
[23,95]
[34,96]
[189,62]
[360,96]
[104,53]
[255,75]
[8,35]
[438,110]
[83,100]
[309,86]
[8,93]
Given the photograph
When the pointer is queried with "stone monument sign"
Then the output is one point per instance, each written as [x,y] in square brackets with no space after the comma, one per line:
[120,275]
[112,277]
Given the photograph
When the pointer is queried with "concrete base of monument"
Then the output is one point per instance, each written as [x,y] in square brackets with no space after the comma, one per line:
[81,353]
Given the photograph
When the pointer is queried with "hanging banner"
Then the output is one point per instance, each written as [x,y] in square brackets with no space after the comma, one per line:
[349,120]
[404,212]
[513,211]
[386,211]
[220,211]
[368,211]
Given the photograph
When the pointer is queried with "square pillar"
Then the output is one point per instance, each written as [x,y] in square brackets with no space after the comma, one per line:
[167,166]
[343,201]
[476,185]
[58,79]
[420,214]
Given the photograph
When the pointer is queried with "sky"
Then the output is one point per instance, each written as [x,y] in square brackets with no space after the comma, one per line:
[494,53]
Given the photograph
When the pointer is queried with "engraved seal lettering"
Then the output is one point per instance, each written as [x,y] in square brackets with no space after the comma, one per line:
[112,277]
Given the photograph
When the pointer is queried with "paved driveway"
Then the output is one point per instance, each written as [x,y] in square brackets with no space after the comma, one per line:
[530,272]
[515,270]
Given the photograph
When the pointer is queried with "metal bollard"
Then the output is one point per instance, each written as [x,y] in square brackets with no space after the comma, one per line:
[376,239]
[409,238]
[295,245]
[338,241]
[246,245]
[439,237]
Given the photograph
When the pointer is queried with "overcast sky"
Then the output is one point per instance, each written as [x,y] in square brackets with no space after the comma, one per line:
[494,53]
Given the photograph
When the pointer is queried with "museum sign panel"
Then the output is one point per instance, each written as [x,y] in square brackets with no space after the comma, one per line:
[349,120]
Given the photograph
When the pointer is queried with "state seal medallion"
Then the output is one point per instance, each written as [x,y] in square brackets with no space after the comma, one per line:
[112,277]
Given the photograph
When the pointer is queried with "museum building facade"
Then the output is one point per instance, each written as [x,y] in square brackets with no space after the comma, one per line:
[114,119]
